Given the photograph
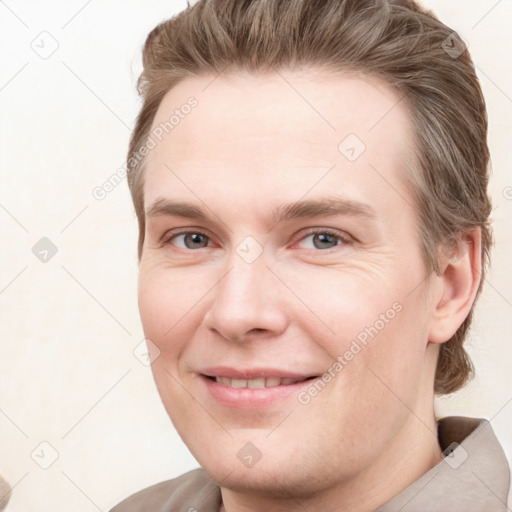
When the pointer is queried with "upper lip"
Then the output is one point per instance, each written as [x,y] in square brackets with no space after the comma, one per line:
[253,373]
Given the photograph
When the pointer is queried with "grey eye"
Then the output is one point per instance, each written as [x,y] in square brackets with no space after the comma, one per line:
[325,241]
[321,241]
[192,240]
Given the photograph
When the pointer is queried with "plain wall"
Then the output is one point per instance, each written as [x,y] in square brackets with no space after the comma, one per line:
[69,326]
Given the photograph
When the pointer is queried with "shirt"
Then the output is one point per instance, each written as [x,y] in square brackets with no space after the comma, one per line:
[472,477]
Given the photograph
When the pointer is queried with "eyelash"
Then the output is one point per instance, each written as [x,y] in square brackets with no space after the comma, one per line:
[345,240]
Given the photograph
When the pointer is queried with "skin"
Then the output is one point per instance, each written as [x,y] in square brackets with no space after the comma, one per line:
[254,143]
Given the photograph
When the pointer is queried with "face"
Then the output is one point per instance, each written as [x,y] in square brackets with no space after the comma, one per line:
[282,284]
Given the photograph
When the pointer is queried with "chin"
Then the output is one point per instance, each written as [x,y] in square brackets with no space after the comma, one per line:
[259,481]
[273,478]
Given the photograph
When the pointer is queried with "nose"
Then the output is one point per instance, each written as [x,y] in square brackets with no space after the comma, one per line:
[248,303]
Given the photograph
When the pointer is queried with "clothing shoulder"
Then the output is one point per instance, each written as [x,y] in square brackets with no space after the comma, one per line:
[188,493]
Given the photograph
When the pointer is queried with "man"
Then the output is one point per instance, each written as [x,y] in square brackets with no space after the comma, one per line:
[310,183]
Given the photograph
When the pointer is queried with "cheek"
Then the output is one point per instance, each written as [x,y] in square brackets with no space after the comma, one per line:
[167,312]
[168,301]
[163,312]
[341,302]
[372,322]
[386,372]
[154,307]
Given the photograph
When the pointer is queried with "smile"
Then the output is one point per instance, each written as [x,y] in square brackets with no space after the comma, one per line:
[257,383]
[252,388]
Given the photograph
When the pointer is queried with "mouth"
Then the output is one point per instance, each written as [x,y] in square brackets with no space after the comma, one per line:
[258,383]
[252,388]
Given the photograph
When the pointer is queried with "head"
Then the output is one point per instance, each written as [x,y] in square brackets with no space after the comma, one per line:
[359,111]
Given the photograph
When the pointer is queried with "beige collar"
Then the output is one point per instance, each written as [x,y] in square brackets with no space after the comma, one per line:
[473,476]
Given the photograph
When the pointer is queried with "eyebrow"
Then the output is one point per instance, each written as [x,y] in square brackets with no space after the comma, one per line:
[323,206]
[299,210]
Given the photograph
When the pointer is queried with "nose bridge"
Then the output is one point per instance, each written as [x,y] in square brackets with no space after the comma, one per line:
[242,285]
[246,300]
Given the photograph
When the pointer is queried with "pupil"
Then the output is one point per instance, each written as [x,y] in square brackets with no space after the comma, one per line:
[196,240]
[325,240]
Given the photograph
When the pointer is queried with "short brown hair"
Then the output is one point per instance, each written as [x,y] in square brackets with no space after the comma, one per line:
[395,40]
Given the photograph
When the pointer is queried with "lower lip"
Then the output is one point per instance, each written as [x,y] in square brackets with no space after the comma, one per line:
[252,398]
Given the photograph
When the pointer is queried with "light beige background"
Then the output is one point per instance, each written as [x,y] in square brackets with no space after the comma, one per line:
[68,375]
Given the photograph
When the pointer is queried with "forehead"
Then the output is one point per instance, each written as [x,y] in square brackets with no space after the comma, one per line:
[248,129]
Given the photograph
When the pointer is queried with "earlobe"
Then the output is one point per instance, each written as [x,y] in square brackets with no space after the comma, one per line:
[458,282]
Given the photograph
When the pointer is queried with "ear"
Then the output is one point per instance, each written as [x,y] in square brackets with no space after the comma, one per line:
[456,285]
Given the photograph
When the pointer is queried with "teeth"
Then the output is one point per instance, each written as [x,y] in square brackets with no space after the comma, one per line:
[256,383]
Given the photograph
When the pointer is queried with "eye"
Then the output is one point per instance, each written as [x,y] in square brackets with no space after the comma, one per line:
[189,240]
[323,239]
[319,239]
